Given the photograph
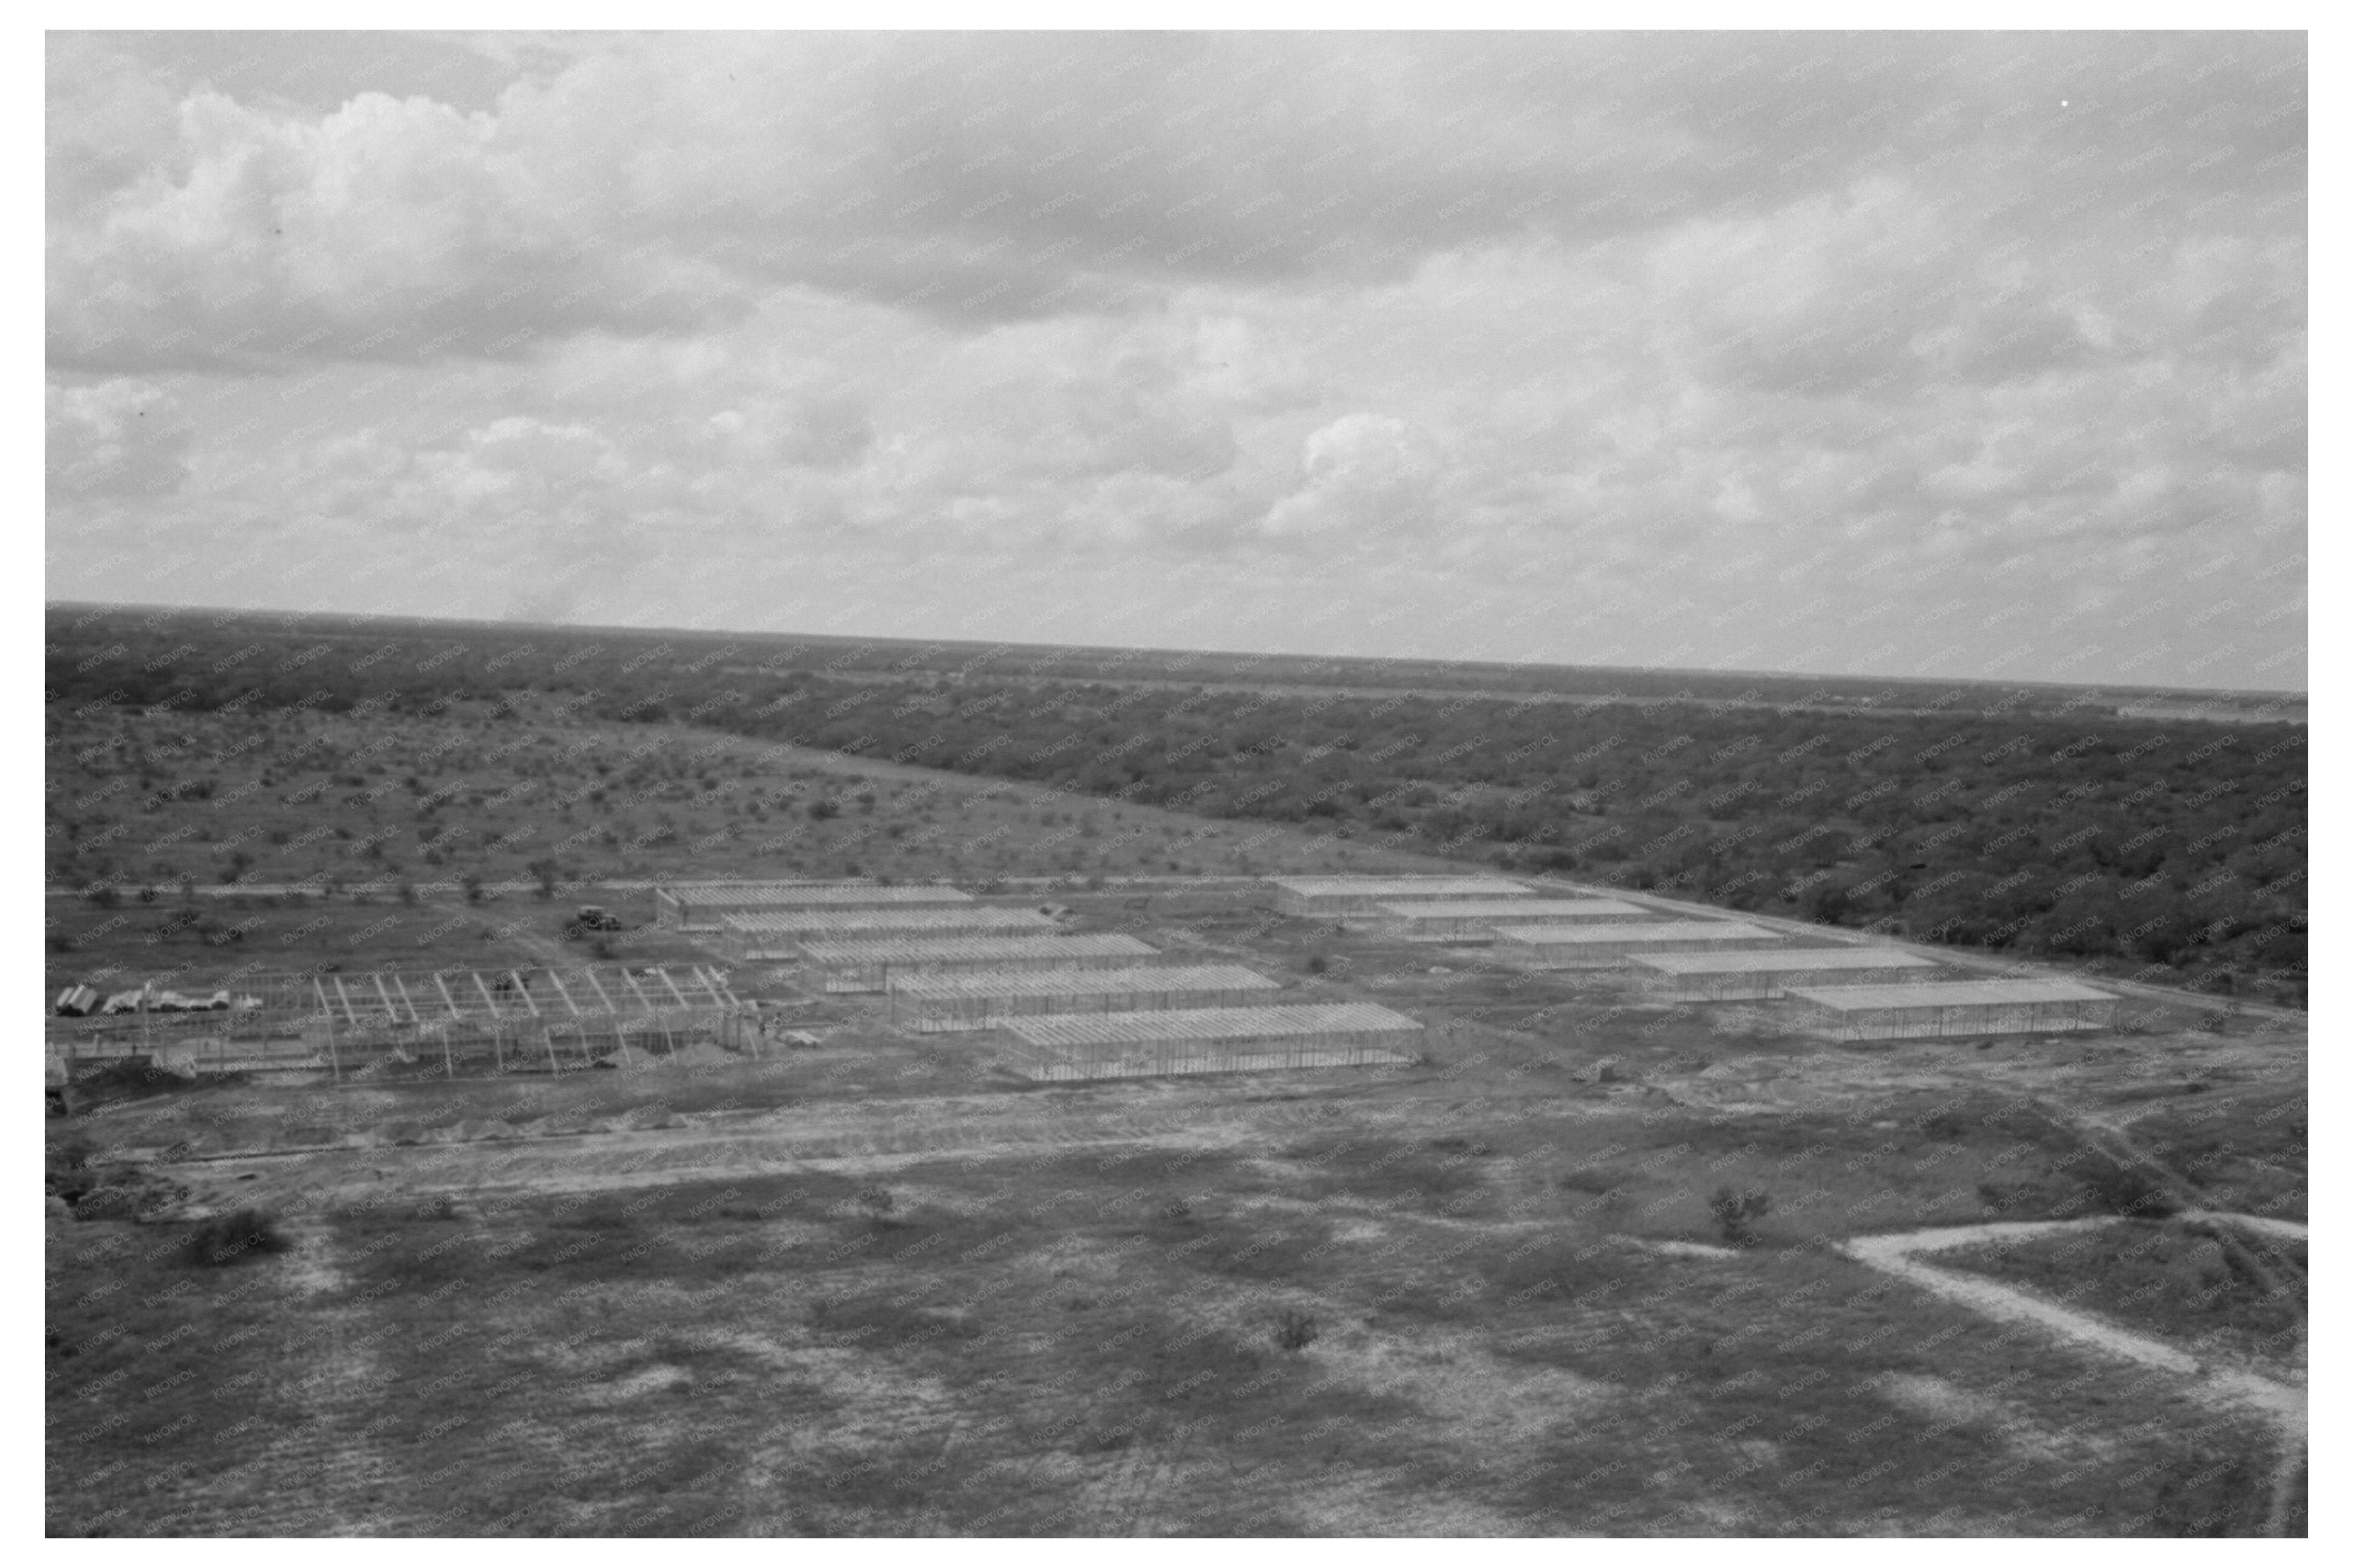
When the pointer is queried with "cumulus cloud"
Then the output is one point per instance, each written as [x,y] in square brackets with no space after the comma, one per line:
[115,440]
[1623,348]
[1369,475]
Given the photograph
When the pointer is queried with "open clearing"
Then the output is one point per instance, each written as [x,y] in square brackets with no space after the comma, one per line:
[878,1284]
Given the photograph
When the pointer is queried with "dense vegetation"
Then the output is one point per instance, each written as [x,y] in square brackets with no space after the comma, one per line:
[2032,820]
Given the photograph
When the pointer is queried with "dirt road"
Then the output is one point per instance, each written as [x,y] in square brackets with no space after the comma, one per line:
[2225,1388]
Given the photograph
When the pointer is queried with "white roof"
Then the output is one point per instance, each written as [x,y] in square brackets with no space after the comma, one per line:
[1397,887]
[1086,981]
[1792,959]
[972,949]
[1209,1024]
[1509,909]
[1949,994]
[803,895]
[977,918]
[1654,931]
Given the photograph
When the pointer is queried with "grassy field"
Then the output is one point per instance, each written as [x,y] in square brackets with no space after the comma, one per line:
[881,1286]
[1079,1341]
[2186,1280]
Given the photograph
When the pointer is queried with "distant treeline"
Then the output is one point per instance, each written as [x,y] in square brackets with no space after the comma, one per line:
[2000,821]
[493,652]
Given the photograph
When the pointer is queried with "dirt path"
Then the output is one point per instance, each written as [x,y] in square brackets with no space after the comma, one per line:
[2223,1388]
[842,1136]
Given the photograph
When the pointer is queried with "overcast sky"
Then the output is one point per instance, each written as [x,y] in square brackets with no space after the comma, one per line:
[1892,355]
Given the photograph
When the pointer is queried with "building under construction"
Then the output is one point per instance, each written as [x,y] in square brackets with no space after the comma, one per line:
[1762,976]
[939,1004]
[1599,946]
[1475,920]
[1957,1007]
[454,1020]
[699,906]
[1210,1040]
[1334,896]
[778,934]
[838,967]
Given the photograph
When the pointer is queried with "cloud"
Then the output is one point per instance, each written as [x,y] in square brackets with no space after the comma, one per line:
[1369,475]
[120,438]
[660,183]
[1859,350]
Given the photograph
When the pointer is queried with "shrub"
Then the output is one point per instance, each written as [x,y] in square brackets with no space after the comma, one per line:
[1735,1212]
[223,1240]
[1295,1330]
[2114,1187]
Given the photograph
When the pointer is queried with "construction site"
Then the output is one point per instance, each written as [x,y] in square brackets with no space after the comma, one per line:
[1392,1150]
[941,960]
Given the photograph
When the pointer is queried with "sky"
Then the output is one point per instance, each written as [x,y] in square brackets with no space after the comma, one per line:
[1970,355]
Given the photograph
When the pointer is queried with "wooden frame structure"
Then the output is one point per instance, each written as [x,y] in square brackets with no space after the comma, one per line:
[1352,895]
[1954,1008]
[1601,946]
[504,1020]
[839,967]
[942,1003]
[1475,920]
[773,935]
[1759,976]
